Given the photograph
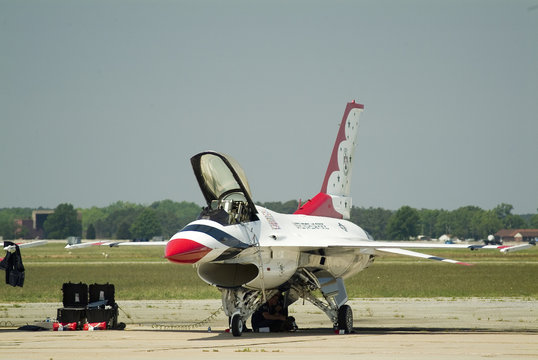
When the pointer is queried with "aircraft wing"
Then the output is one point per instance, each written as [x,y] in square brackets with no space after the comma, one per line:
[116,243]
[420,255]
[11,248]
[353,243]
[402,248]
[424,245]
[503,249]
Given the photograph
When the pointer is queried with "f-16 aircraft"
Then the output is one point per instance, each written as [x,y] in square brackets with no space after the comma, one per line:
[251,253]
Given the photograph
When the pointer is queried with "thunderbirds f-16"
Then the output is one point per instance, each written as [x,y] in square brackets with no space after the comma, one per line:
[250,253]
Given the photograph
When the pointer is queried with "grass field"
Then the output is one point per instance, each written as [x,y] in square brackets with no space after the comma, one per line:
[143,274]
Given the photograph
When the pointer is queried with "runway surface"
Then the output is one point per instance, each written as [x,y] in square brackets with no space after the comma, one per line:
[384,329]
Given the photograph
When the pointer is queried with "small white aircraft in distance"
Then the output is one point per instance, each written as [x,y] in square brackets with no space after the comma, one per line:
[250,253]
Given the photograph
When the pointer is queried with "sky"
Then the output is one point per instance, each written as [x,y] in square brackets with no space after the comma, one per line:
[105,101]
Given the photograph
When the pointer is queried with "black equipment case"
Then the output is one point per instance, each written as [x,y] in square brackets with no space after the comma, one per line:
[75,295]
[102,306]
[92,304]
[75,301]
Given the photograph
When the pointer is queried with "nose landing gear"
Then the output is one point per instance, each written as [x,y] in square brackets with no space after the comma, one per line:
[236,324]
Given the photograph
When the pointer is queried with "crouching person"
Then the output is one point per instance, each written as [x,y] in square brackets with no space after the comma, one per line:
[273,316]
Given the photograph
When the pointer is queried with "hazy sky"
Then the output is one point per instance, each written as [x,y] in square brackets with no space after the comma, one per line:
[107,100]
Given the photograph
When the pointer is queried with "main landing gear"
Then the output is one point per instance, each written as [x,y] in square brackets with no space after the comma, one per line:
[240,303]
[345,319]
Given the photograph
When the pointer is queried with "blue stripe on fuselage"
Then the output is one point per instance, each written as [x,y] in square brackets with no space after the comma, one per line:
[219,235]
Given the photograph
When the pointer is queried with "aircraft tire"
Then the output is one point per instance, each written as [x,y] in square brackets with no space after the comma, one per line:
[345,319]
[237,325]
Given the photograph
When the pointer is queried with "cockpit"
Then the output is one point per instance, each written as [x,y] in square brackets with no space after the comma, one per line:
[225,189]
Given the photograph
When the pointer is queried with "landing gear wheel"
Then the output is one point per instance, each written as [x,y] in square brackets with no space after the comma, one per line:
[237,325]
[345,319]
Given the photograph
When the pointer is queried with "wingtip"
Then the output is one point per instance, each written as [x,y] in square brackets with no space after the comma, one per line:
[464,263]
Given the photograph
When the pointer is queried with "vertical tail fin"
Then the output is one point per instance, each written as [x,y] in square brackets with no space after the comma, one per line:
[334,200]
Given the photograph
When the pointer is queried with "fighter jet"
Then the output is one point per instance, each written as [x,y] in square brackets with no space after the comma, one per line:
[250,253]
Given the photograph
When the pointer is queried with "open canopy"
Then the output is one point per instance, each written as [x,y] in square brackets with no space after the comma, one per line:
[222,181]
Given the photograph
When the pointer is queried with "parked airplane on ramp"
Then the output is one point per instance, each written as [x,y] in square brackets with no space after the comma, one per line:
[251,253]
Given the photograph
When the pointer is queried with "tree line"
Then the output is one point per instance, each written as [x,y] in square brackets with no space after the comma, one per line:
[120,220]
[125,220]
[467,222]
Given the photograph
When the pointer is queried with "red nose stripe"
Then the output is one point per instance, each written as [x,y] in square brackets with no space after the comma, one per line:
[185,251]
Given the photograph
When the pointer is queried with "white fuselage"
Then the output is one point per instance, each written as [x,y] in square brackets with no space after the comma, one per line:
[266,253]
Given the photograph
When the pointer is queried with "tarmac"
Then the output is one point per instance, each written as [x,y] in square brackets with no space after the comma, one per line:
[386,328]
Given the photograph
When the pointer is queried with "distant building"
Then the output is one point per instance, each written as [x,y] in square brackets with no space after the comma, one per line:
[32,228]
[39,217]
[522,235]
[24,228]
